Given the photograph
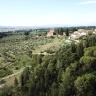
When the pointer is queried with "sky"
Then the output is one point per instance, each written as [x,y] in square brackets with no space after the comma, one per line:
[47,12]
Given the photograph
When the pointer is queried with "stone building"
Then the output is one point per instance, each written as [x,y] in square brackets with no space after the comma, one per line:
[51,32]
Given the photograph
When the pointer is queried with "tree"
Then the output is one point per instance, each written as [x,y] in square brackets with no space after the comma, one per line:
[67,32]
[60,75]
[86,85]
[80,50]
[32,88]
[73,47]
[24,79]
[30,53]
[54,89]
[60,31]
[46,83]
[74,29]
[26,33]
[66,88]
[88,62]
[86,44]
[6,92]
[16,82]
[16,87]
[26,74]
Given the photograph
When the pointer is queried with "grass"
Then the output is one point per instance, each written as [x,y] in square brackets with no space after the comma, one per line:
[10,80]
[56,43]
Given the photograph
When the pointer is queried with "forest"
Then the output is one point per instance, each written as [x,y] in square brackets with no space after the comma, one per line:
[69,72]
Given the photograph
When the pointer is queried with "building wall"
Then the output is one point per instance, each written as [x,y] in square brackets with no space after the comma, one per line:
[51,32]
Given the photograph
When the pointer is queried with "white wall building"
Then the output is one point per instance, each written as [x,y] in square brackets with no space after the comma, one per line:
[79,33]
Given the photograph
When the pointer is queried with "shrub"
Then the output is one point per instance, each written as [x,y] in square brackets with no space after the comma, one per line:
[16,68]
[2,81]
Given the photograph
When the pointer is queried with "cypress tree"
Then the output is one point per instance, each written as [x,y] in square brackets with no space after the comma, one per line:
[73,47]
[67,32]
[80,49]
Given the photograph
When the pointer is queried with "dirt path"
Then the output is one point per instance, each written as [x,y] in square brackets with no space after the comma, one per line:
[9,76]
[14,74]
[43,53]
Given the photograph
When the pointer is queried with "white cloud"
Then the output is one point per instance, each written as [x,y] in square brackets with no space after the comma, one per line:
[88,2]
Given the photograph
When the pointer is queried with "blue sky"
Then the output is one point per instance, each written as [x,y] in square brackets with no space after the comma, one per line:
[47,12]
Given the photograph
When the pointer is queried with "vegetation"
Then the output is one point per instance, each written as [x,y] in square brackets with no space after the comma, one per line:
[71,71]
[16,51]
[67,32]
[5,72]
[66,70]
[61,31]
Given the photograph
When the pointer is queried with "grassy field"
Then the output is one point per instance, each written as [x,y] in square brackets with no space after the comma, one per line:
[54,45]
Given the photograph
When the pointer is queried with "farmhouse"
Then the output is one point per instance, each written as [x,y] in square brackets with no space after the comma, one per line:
[79,33]
[51,32]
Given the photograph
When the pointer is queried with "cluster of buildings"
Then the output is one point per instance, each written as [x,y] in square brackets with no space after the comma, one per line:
[81,32]
[73,36]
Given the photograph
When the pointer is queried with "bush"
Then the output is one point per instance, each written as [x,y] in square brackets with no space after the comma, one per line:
[5,72]
[16,68]
[49,51]
[2,81]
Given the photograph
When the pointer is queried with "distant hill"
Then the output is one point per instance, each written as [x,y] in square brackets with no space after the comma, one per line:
[41,26]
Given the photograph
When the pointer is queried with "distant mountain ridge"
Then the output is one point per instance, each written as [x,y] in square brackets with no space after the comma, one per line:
[41,26]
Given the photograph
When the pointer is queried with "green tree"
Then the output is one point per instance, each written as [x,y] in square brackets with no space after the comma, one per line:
[74,29]
[80,49]
[17,91]
[60,31]
[32,88]
[30,53]
[67,32]
[73,47]
[54,89]
[67,86]
[86,44]
[24,79]
[26,33]
[88,62]
[16,82]
[86,85]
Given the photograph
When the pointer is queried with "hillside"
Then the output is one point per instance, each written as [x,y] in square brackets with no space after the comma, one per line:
[71,71]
